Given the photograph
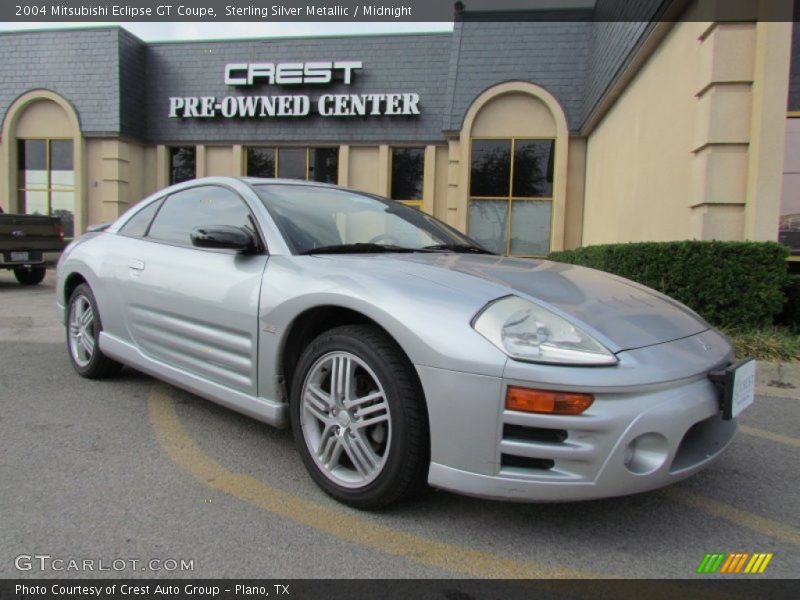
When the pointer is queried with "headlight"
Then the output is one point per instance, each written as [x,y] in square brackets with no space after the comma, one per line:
[526,331]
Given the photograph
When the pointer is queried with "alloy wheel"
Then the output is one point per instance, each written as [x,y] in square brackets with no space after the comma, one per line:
[346,419]
[81,330]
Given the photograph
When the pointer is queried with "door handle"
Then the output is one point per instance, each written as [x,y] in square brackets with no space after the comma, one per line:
[136,265]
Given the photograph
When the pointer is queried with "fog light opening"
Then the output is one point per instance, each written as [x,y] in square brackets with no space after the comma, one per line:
[646,453]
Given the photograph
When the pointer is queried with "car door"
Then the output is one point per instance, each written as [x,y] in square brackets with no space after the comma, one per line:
[196,309]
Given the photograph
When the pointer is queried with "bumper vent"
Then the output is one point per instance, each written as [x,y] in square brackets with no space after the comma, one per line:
[533,434]
[524,462]
[703,441]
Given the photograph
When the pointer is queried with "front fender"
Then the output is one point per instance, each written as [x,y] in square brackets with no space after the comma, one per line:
[428,321]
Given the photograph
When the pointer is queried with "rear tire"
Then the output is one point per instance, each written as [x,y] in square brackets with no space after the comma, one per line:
[83,333]
[364,441]
[30,275]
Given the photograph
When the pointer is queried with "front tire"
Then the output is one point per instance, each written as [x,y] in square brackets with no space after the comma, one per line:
[83,333]
[30,275]
[359,419]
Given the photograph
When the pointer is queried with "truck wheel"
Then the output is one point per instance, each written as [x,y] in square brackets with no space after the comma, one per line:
[29,275]
[83,334]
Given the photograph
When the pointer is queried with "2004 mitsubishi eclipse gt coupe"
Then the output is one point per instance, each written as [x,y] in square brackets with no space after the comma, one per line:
[400,351]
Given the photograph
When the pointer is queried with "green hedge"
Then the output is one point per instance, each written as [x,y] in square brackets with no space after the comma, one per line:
[731,284]
[791,310]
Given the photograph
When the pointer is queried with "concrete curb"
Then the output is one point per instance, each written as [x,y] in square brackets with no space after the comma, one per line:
[778,379]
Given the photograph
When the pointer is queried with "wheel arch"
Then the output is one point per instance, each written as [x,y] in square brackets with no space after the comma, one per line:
[72,281]
[315,321]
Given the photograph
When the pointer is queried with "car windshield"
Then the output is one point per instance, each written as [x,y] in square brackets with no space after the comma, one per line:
[328,220]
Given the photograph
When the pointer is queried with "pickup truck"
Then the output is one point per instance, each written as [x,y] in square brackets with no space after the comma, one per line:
[23,241]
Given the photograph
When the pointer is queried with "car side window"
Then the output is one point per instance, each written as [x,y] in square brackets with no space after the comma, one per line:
[137,225]
[196,207]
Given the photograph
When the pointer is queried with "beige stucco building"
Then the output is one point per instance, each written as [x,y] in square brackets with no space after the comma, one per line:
[532,136]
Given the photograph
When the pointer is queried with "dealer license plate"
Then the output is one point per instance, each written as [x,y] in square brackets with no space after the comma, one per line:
[744,387]
[737,385]
[20,256]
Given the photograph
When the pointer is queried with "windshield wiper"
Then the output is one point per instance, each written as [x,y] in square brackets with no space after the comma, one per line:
[360,248]
[465,248]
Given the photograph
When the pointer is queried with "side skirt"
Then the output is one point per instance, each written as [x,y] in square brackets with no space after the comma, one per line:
[266,410]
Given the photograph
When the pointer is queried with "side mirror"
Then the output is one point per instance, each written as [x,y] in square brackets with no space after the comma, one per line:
[223,236]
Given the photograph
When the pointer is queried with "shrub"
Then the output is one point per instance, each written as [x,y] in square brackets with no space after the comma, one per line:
[791,310]
[777,344]
[731,284]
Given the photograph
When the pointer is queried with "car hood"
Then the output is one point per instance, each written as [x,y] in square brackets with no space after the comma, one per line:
[626,314]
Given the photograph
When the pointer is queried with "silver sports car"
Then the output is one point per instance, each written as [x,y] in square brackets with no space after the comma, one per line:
[400,351]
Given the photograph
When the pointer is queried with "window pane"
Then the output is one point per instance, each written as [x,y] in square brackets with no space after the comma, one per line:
[182,162]
[491,167]
[533,168]
[62,180]
[488,221]
[292,163]
[62,176]
[530,227]
[789,223]
[323,165]
[206,205]
[138,224]
[408,166]
[64,208]
[34,203]
[32,159]
[61,155]
[261,162]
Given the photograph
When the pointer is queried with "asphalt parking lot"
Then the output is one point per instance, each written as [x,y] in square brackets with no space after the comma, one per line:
[132,469]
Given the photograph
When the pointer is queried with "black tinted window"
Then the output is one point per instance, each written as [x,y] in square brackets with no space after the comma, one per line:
[533,168]
[491,168]
[261,162]
[323,164]
[195,207]
[182,164]
[408,169]
[137,225]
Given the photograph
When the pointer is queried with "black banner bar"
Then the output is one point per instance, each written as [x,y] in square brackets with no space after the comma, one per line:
[210,11]
[349,589]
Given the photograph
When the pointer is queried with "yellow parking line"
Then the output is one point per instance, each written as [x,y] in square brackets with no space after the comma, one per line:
[184,452]
[768,435]
[736,516]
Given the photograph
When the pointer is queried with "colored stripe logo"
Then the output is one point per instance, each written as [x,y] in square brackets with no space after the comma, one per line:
[734,563]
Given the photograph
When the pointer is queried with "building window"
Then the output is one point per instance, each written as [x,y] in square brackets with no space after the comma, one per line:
[182,164]
[47,180]
[309,164]
[789,223]
[408,174]
[260,162]
[511,195]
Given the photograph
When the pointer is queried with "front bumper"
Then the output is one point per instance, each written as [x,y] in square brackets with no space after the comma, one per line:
[479,448]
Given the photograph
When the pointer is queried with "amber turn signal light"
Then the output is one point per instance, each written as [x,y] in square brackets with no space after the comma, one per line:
[541,401]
